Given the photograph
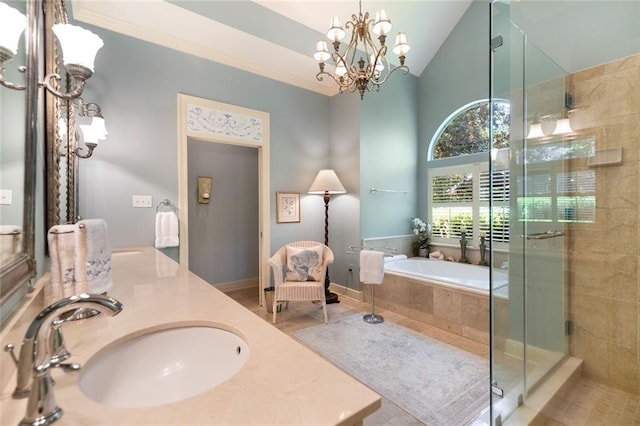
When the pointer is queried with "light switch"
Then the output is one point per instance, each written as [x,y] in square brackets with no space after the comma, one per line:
[204,189]
[142,201]
[5,196]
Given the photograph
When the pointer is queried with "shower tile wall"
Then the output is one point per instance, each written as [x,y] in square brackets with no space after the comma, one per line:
[603,256]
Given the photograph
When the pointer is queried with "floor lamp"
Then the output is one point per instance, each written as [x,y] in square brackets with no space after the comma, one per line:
[327,183]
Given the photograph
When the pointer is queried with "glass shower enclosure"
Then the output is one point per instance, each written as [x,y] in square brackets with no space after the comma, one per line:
[529,326]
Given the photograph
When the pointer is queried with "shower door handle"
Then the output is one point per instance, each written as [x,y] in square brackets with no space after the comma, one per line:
[543,235]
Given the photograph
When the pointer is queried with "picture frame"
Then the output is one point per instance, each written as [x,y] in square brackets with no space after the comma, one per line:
[287,207]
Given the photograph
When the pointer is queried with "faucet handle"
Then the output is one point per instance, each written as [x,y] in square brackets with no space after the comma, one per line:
[59,352]
[9,348]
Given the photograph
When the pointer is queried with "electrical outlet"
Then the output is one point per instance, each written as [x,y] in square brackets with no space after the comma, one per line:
[5,196]
[142,201]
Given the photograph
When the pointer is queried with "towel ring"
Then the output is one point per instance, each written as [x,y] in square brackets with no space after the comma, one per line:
[168,204]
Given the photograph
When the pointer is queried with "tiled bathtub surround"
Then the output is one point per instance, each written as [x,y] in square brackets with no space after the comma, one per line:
[603,256]
[464,313]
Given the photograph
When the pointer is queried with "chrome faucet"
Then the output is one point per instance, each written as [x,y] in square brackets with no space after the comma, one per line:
[59,354]
[42,348]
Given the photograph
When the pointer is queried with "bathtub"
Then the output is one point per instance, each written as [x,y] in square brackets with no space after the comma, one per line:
[471,277]
[448,295]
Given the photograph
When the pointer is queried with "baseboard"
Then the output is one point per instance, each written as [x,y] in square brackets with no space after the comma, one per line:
[343,291]
[237,285]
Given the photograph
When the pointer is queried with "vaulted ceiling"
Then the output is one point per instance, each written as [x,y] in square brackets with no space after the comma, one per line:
[274,39]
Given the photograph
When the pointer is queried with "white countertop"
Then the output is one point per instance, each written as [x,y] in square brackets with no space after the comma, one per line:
[282,382]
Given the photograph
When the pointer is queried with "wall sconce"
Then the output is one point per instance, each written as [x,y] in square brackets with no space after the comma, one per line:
[561,126]
[91,133]
[79,49]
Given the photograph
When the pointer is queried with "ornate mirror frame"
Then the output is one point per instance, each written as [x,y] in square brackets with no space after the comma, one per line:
[60,137]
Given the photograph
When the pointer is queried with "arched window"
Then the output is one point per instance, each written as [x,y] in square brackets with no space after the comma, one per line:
[466,131]
[459,194]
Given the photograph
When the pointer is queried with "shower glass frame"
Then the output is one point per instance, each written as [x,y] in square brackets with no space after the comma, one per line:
[527,326]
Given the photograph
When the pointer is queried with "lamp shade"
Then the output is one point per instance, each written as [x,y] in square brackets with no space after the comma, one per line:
[382,24]
[379,66]
[322,51]
[563,127]
[79,46]
[535,131]
[97,123]
[341,70]
[89,134]
[401,46]
[12,25]
[335,32]
[327,181]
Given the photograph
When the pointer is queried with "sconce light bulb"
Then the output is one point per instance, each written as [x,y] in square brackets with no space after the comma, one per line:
[12,25]
[89,134]
[79,46]
[97,123]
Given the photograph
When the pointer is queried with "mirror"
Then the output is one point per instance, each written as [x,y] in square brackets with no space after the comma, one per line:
[18,144]
[12,143]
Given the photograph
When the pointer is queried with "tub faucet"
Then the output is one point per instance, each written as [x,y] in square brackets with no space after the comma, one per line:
[39,352]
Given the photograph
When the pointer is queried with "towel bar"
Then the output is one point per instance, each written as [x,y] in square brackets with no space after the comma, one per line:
[55,231]
[166,203]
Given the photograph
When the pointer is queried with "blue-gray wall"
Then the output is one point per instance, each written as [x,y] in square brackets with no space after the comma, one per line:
[344,218]
[388,147]
[138,98]
[458,74]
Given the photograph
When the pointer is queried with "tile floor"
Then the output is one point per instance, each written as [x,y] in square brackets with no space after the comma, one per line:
[586,402]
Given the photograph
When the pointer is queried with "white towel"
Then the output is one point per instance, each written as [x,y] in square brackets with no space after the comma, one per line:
[167,230]
[93,257]
[10,241]
[371,267]
[62,252]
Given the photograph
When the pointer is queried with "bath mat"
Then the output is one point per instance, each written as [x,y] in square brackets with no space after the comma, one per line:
[438,384]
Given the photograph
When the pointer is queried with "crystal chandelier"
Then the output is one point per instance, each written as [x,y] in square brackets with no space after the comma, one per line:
[361,74]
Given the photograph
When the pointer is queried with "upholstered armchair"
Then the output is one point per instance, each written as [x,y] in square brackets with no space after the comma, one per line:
[299,269]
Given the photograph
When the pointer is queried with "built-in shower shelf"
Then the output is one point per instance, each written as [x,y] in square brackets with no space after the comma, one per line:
[606,157]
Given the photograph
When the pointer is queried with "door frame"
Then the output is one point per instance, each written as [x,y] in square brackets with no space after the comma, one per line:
[192,113]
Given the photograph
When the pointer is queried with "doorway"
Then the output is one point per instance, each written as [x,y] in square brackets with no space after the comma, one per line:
[210,121]
[223,232]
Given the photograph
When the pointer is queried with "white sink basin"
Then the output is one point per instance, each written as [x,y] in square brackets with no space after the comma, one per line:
[163,366]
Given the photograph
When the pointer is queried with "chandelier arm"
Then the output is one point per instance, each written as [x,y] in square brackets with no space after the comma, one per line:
[351,48]
[321,74]
[9,84]
[399,67]
[349,77]
[77,91]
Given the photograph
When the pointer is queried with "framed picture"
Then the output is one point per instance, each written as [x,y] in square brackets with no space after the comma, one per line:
[287,207]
